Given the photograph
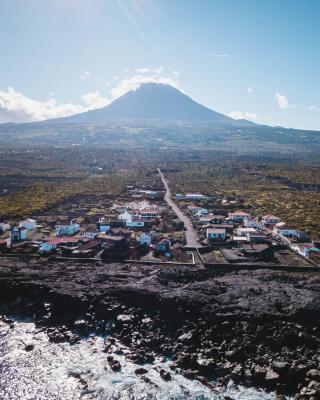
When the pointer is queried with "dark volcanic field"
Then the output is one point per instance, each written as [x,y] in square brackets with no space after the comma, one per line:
[258,326]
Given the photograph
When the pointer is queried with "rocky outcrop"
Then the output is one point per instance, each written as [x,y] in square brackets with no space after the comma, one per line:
[250,326]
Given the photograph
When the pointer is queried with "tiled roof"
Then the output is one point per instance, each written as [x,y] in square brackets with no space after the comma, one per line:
[57,241]
[270,216]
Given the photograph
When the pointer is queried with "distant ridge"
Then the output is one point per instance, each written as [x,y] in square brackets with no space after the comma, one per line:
[155,101]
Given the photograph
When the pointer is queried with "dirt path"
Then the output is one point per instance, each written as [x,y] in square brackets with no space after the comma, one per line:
[191,237]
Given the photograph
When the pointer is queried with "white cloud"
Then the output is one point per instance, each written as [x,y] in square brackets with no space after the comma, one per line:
[94,100]
[311,108]
[250,90]
[85,75]
[133,83]
[251,116]
[150,75]
[282,101]
[16,107]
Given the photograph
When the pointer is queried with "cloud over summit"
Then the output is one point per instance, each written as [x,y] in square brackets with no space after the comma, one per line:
[17,107]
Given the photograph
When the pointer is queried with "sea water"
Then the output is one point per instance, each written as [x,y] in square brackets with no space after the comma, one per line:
[60,371]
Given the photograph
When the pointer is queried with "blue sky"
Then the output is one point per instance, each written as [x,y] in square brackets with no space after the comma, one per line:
[254,59]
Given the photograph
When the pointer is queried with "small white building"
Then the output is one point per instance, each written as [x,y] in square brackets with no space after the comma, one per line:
[29,224]
[256,237]
[249,222]
[283,229]
[286,230]
[245,231]
[216,234]
[126,216]
[270,220]
[145,239]
[239,215]
[149,213]
[68,230]
[240,239]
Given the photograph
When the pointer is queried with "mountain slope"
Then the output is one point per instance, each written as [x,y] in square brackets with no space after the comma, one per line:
[152,101]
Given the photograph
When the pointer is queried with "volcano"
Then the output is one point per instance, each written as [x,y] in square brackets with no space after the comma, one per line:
[155,102]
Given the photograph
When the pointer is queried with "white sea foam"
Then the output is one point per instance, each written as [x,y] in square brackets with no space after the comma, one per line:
[61,371]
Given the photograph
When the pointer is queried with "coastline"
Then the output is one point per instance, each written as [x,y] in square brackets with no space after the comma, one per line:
[254,327]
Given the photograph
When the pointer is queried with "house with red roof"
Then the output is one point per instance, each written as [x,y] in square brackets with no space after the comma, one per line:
[270,220]
[239,216]
[149,213]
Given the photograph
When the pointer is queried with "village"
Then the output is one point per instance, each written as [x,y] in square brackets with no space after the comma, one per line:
[148,224]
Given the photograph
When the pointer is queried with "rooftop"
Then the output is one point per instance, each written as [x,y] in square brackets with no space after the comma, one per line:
[270,216]
[216,230]
[239,212]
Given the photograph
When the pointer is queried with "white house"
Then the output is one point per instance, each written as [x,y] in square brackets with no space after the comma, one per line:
[216,234]
[19,233]
[245,231]
[29,224]
[283,229]
[145,239]
[149,213]
[126,216]
[239,215]
[70,229]
[256,237]
[270,220]
[240,239]
[138,205]
[286,230]
[249,222]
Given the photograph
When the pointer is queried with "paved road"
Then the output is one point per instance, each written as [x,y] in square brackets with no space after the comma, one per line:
[191,236]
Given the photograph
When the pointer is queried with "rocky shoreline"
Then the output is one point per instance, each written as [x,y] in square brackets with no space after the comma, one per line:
[255,327]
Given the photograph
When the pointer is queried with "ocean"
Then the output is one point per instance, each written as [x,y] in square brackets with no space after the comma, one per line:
[60,371]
